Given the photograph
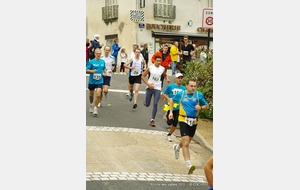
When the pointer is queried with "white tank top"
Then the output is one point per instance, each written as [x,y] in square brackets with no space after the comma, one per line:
[155,76]
[138,67]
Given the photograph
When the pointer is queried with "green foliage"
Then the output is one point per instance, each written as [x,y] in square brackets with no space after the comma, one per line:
[203,75]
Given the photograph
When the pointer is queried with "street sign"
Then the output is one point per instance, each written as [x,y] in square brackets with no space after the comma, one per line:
[137,15]
[207,18]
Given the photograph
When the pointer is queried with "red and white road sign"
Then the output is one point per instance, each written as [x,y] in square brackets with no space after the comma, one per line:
[207,18]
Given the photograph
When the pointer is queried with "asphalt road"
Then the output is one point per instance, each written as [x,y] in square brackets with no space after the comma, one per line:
[120,114]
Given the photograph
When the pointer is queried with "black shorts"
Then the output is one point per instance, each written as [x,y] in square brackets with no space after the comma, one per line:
[186,130]
[173,121]
[135,79]
[92,87]
[106,80]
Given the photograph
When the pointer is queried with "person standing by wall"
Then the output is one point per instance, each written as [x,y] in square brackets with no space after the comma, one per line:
[88,48]
[96,44]
[115,50]
[203,56]
[166,59]
[123,56]
[145,54]
[174,52]
[186,51]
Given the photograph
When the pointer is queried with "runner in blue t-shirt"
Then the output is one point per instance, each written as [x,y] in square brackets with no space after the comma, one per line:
[189,100]
[96,68]
[169,92]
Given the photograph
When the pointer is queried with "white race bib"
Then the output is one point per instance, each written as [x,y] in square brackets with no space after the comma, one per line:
[190,121]
[97,76]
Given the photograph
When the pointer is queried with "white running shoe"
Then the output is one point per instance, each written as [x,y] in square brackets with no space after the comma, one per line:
[99,105]
[169,138]
[128,94]
[95,111]
[91,110]
[176,149]
[191,169]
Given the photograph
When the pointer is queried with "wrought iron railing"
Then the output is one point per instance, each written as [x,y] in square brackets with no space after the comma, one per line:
[164,11]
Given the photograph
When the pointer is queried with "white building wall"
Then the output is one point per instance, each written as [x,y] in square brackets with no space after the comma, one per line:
[128,31]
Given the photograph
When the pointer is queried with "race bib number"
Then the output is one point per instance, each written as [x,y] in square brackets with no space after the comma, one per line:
[190,121]
[185,52]
[97,76]
[156,79]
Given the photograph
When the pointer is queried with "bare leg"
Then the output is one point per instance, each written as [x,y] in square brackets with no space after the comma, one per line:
[98,96]
[91,97]
[136,92]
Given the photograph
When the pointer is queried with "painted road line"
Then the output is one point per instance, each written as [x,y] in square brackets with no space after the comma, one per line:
[167,177]
[123,129]
[122,91]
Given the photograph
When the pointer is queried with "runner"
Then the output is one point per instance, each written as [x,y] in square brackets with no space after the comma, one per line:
[96,69]
[189,100]
[154,85]
[110,64]
[135,67]
[169,92]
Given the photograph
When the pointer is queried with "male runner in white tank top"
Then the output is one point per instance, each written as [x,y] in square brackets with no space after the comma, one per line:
[154,85]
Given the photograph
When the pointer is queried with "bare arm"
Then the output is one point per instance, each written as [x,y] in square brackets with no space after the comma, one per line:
[208,170]
[145,73]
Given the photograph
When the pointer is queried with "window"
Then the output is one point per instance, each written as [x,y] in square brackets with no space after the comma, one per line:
[164,2]
[110,2]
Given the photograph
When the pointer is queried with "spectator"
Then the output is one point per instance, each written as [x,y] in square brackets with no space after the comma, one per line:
[96,44]
[174,52]
[186,51]
[115,50]
[88,50]
[165,61]
[145,54]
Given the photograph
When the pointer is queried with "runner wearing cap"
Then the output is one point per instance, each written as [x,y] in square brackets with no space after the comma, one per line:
[169,92]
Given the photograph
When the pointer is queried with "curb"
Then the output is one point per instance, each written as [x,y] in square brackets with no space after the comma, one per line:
[199,139]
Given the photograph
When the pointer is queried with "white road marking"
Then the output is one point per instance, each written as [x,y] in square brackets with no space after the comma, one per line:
[166,177]
[123,129]
[123,91]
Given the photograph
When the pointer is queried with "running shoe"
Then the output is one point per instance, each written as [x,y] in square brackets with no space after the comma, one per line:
[176,149]
[95,111]
[131,97]
[152,124]
[169,138]
[191,169]
[134,106]
[91,110]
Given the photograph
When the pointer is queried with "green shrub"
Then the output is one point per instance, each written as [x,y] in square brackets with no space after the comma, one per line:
[203,75]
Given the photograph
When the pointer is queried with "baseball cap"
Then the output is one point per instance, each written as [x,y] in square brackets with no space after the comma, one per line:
[178,75]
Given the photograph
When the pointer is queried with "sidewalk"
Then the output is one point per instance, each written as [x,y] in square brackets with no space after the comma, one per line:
[138,151]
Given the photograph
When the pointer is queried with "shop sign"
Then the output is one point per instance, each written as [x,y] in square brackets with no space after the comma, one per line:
[162,27]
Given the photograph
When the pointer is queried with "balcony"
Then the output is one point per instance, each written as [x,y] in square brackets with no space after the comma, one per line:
[166,12]
[110,13]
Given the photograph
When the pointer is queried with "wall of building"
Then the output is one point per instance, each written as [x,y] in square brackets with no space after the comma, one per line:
[128,31]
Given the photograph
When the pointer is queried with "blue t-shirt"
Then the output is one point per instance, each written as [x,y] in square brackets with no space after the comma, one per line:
[99,65]
[188,103]
[171,90]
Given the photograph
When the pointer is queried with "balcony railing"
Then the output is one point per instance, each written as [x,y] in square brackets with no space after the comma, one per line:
[164,11]
[110,13]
